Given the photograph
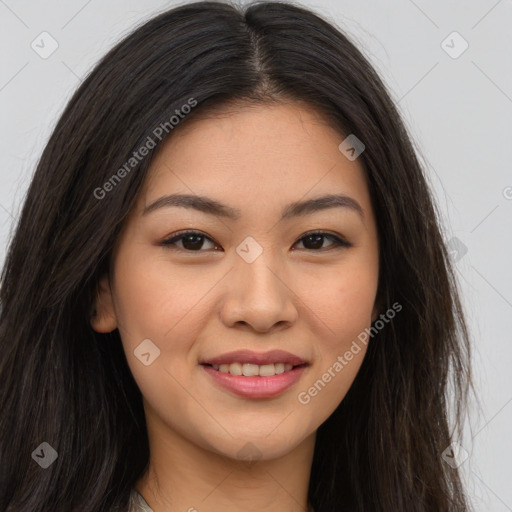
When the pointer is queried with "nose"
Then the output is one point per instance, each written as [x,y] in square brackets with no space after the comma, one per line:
[259,296]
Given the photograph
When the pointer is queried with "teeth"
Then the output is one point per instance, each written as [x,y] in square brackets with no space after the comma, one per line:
[253,370]
[279,367]
[235,369]
[250,370]
[265,370]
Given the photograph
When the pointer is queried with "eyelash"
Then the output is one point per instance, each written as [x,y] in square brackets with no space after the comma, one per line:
[338,242]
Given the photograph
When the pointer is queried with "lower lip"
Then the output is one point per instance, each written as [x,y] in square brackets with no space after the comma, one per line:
[256,387]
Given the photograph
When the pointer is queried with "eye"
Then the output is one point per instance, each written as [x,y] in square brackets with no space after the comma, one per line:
[192,241]
[316,239]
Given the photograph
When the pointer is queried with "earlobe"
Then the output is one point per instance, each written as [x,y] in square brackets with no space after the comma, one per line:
[103,318]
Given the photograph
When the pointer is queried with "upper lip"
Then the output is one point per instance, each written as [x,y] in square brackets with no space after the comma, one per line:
[259,358]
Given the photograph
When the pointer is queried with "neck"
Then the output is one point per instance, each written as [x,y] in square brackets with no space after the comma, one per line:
[183,476]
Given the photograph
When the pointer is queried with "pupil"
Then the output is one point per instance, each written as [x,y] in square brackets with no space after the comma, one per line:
[316,238]
[189,239]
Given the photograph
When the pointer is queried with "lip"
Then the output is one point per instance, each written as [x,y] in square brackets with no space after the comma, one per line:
[255,387]
[259,358]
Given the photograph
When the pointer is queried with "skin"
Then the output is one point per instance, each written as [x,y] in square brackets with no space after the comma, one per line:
[311,300]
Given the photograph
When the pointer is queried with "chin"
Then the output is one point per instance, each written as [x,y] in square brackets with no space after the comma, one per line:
[253,447]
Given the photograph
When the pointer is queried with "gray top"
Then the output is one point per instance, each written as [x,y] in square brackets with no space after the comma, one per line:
[138,503]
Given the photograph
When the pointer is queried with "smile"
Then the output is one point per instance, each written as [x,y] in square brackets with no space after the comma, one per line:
[253,370]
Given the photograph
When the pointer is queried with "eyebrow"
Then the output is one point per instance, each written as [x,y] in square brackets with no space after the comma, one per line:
[213,207]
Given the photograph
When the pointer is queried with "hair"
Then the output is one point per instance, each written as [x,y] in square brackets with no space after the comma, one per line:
[65,384]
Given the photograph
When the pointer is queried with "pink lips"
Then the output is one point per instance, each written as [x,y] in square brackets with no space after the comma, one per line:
[257,386]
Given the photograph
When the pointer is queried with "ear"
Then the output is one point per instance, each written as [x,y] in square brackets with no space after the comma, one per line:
[103,317]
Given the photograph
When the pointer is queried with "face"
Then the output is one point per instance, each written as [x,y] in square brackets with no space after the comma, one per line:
[249,277]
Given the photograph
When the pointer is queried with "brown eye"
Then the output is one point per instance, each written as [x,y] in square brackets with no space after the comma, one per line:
[191,241]
[315,240]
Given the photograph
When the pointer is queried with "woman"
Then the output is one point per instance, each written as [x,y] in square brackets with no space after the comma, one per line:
[228,288]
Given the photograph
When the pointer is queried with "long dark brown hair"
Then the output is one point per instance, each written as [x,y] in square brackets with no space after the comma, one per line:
[67,385]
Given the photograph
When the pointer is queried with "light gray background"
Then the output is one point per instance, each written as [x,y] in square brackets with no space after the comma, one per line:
[458,110]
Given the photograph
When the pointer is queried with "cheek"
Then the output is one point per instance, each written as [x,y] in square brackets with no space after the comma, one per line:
[168,308]
[339,353]
[344,304]
[153,305]
[152,301]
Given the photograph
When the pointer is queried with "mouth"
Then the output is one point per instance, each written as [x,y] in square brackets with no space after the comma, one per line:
[255,386]
[254,370]
[255,375]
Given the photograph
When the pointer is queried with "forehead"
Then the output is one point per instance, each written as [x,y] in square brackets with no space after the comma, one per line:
[255,155]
